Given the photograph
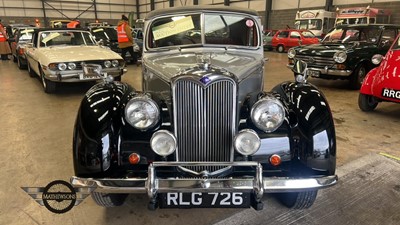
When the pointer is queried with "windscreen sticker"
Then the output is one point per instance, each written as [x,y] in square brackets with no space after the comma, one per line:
[98,30]
[249,23]
[27,31]
[51,36]
[172,28]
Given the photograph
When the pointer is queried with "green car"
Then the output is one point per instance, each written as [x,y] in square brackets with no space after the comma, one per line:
[267,39]
[346,52]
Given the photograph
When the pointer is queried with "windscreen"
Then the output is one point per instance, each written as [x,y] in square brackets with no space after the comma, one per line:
[53,38]
[346,35]
[219,29]
[105,33]
[310,24]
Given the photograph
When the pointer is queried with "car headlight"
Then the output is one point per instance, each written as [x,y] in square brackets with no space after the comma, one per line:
[163,142]
[62,66]
[142,112]
[71,66]
[268,114]
[247,142]
[115,63]
[291,53]
[340,57]
[107,64]
[376,59]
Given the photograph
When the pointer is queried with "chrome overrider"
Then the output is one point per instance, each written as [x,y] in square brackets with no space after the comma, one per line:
[152,185]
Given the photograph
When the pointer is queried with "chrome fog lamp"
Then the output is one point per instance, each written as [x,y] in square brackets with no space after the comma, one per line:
[376,59]
[142,112]
[268,114]
[107,64]
[163,143]
[62,66]
[340,57]
[71,66]
[247,142]
[115,63]
[291,53]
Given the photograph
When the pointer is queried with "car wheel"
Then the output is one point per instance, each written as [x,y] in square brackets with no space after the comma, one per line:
[14,58]
[357,78]
[280,48]
[367,102]
[30,71]
[108,200]
[298,200]
[19,64]
[48,86]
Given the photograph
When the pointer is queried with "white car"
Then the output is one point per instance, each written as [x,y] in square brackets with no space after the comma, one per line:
[57,55]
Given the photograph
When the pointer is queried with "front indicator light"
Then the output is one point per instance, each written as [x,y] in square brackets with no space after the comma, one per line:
[134,158]
[340,66]
[247,142]
[275,160]
[163,143]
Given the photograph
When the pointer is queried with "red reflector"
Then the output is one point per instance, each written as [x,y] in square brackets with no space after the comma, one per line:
[275,160]
[134,158]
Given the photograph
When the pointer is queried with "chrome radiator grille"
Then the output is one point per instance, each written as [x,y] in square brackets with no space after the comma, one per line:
[316,61]
[205,120]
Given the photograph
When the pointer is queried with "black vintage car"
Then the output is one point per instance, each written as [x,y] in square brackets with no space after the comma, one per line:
[346,52]
[203,132]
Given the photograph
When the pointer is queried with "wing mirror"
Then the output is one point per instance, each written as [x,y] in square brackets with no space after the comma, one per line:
[300,71]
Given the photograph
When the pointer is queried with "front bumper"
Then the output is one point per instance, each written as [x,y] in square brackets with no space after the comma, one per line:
[79,76]
[152,185]
[327,71]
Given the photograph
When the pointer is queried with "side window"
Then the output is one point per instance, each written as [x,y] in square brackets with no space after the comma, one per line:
[388,36]
[283,34]
[295,34]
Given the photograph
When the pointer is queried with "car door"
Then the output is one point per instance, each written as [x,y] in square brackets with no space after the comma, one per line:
[294,39]
[31,53]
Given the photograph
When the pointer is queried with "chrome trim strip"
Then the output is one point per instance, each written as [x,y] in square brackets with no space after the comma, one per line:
[341,73]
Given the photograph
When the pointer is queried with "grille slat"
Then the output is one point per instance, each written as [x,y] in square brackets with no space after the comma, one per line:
[317,61]
[204,121]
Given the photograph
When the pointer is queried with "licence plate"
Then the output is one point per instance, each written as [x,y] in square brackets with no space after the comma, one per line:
[313,73]
[88,77]
[205,200]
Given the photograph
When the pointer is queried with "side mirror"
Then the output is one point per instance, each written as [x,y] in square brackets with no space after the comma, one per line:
[300,71]
[384,43]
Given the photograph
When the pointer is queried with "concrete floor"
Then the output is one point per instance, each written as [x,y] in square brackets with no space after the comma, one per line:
[36,138]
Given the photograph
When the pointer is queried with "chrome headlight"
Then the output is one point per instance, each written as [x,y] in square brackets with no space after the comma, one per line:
[62,66]
[340,57]
[71,66]
[115,63]
[247,142]
[142,112]
[163,142]
[291,53]
[376,59]
[107,64]
[268,114]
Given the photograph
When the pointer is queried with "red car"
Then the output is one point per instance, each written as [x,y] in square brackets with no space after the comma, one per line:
[383,82]
[285,39]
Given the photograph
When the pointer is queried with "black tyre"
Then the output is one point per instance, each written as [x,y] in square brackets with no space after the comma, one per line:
[357,78]
[19,64]
[48,86]
[108,200]
[118,78]
[298,200]
[280,48]
[30,71]
[14,58]
[367,102]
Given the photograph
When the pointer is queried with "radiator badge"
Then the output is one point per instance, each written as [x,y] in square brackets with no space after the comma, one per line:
[205,80]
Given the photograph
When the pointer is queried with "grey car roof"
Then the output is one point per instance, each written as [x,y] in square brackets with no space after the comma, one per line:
[197,8]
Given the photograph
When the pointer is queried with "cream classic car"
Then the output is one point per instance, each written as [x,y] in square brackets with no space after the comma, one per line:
[57,55]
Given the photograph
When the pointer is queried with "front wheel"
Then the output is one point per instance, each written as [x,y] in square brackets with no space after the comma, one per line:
[30,71]
[48,86]
[298,200]
[108,200]
[367,102]
[280,48]
[19,64]
[357,78]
